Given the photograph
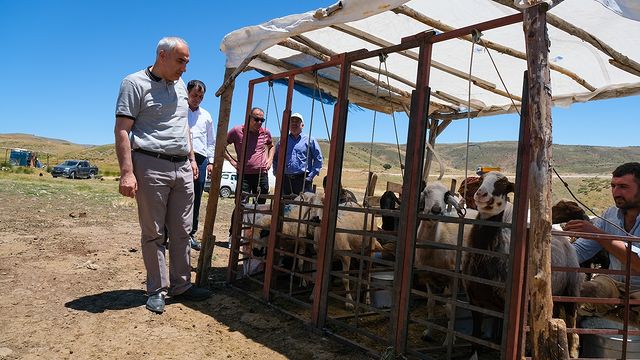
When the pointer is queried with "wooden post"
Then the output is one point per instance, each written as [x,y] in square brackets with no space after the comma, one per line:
[208,240]
[433,133]
[545,335]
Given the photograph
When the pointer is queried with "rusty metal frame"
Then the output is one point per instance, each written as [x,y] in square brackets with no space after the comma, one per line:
[516,284]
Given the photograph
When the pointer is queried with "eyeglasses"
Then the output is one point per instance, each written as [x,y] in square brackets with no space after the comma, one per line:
[257,119]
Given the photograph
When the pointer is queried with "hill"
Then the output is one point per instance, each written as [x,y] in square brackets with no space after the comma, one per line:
[573,159]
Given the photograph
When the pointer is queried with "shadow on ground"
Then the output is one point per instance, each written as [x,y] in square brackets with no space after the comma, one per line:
[259,322]
[109,300]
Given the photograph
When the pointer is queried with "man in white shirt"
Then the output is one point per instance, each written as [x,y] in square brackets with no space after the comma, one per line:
[204,143]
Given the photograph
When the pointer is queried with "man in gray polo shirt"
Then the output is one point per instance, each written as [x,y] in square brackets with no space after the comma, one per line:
[157,168]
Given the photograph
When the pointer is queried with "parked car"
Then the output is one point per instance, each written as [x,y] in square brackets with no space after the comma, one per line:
[229,180]
[74,169]
[228,183]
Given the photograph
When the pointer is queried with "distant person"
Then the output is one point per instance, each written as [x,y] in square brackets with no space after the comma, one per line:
[258,159]
[157,168]
[204,143]
[623,218]
[303,159]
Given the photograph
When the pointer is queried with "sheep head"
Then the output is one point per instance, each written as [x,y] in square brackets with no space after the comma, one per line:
[491,196]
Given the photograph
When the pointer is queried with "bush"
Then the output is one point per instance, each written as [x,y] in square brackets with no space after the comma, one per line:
[386,166]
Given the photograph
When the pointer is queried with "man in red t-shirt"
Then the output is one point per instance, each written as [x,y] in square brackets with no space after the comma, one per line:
[259,155]
[260,151]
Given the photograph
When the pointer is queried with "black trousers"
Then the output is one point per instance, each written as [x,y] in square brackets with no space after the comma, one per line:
[251,183]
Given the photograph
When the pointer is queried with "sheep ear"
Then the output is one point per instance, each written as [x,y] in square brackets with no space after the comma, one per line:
[511,187]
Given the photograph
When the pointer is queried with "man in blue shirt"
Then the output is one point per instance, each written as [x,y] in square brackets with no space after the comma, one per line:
[303,159]
[622,219]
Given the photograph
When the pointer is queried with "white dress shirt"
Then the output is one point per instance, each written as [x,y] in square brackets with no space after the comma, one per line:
[201,127]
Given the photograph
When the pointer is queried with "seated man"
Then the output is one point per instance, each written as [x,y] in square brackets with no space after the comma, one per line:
[622,219]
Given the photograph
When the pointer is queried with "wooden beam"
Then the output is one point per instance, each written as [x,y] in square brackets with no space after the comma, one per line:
[311,52]
[208,240]
[320,49]
[624,67]
[571,29]
[382,103]
[460,102]
[544,338]
[407,53]
[407,11]
[316,46]
[232,77]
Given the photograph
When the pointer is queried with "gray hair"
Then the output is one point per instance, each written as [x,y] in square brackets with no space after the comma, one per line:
[169,43]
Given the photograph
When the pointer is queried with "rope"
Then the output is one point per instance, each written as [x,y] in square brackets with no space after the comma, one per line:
[375,114]
[393,115]
[500,76]
[324,114]
[306,164]
[476,35]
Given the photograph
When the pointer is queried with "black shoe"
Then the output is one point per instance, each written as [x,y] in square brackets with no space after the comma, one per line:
[195,244]
[194,293]
[155,303]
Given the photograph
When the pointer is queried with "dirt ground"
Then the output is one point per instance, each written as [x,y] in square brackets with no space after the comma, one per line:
[73,280]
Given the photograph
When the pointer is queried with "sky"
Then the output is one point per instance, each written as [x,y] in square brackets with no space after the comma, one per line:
[64,61]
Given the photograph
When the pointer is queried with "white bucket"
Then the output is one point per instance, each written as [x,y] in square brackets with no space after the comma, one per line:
[383,297]
[251,266]
[607,346]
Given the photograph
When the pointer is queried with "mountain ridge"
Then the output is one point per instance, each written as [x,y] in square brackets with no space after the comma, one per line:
[576,159]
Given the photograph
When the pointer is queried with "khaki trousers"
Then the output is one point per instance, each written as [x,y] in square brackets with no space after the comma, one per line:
[165,198]
[603,286]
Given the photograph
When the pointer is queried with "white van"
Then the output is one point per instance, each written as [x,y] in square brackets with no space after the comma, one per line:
[229,179]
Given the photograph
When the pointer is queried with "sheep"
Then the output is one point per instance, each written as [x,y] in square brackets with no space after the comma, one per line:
[388,200]
[342,242]
[436,197]
[347,242]
[492,204]
[290,228]
[565,210]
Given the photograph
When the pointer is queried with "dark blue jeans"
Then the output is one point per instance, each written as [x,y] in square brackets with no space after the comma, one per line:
[293,184]
[198,188]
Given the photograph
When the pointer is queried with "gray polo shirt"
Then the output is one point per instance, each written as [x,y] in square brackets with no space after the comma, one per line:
[159,110]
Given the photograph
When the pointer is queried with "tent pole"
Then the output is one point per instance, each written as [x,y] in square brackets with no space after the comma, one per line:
[208,240]
[549,336]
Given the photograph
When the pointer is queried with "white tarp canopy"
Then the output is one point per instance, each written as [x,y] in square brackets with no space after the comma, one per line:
[594,53]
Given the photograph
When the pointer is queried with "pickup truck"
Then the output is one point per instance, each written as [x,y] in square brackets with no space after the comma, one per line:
[74,169]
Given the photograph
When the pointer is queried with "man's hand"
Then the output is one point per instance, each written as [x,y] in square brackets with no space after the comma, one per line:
[194,168]
[582,226]
[209,169]
[128,185]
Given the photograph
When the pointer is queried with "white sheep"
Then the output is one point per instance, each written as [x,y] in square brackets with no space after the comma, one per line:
[436,198]
[493,205]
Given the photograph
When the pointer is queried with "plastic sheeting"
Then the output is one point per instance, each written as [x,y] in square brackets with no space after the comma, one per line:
[374,17]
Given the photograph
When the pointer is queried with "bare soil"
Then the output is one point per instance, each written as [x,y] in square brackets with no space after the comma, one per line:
[73,286]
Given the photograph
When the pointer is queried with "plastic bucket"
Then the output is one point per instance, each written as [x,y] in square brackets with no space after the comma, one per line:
[607,346]
[383,283]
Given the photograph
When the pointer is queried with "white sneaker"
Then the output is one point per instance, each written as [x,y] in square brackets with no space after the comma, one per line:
[229,242]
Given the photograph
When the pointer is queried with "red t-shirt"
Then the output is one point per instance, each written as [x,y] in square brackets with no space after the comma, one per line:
[257,148]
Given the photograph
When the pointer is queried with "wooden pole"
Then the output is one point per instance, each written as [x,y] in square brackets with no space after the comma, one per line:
[546,335]
[208,240]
